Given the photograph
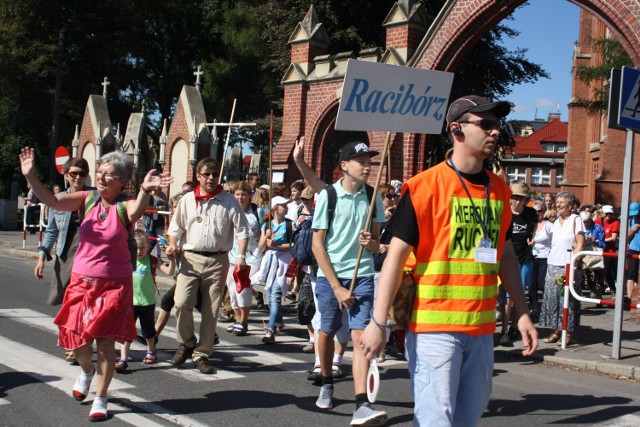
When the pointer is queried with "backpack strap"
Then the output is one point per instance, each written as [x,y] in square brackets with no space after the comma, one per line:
[121,208]
[90,201]
[254,209]
[332,199]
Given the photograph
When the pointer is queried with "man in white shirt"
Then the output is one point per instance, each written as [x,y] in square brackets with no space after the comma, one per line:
[295,202]
[205,221]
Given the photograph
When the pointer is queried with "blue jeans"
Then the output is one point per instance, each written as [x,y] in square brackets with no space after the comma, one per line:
[274,297]
[450,377]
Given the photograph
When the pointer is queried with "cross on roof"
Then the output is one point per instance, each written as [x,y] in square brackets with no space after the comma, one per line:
[104,85]
[198,73]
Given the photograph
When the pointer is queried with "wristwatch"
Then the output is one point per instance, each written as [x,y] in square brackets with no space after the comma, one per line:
[241,256]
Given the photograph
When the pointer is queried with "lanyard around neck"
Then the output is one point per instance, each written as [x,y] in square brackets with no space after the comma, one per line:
[485,224]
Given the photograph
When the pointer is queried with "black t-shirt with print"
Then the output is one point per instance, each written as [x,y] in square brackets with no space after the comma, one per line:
[523,228]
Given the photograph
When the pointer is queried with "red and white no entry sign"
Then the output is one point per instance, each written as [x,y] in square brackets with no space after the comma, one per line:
[61,156]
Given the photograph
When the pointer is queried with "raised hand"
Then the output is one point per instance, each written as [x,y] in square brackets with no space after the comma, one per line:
[298,149]
[154,182]
[27,161]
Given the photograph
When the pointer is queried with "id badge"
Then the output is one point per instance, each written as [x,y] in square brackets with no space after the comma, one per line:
[485,253]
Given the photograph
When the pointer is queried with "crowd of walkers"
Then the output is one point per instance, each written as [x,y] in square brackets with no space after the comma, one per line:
[225,243]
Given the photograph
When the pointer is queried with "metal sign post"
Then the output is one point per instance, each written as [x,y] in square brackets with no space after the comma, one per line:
[626,116]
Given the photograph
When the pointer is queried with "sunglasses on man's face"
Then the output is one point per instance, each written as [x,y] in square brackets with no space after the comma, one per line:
[390,196]
[484,124]
[81,174]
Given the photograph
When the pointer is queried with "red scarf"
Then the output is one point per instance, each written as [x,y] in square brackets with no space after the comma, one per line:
[207,196]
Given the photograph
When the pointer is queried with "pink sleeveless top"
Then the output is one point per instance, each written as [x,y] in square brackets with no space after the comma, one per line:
[103,248]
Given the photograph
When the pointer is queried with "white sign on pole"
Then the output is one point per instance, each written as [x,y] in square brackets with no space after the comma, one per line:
[391,98]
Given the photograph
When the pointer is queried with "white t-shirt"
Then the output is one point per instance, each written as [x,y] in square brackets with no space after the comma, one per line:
[563,240]
[292,212]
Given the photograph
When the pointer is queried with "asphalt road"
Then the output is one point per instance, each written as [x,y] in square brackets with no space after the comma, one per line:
[258,384]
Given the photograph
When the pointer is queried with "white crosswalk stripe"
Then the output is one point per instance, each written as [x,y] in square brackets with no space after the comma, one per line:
[55,372]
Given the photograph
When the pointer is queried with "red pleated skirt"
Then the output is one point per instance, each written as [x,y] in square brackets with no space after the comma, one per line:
[95,307]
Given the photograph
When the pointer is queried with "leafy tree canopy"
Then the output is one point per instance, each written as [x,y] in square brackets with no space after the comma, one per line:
[149,49]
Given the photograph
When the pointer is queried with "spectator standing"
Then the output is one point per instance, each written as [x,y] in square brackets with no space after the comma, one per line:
[611,228]
[541,249]
[206,221]
[523,226]
[254,182]
[455,217]
[568,234]
[593,236]
[634,247]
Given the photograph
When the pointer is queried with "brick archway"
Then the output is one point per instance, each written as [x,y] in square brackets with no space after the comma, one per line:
[456,32]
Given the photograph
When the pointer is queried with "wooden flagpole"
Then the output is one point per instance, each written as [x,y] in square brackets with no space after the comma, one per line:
[367,224]
[270,165]
[226,142]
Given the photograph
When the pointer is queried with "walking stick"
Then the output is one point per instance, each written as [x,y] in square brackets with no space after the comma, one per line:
[367,224]
[270,163]
[226,142]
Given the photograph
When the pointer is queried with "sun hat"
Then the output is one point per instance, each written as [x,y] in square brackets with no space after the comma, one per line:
[278,200]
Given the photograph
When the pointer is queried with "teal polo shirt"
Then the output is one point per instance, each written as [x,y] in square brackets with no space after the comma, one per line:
[349,218]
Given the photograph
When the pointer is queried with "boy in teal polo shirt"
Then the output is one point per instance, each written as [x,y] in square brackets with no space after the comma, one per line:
[335,246]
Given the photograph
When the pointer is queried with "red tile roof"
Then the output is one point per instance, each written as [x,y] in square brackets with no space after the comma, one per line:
[554,131]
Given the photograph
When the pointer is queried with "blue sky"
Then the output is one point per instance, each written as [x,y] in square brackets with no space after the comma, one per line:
[548,29]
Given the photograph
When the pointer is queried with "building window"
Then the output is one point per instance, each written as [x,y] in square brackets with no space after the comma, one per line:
[559,176]
[541,176]
[516,174]
[554,147]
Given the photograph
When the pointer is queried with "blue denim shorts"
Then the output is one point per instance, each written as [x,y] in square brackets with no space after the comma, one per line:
[359,313]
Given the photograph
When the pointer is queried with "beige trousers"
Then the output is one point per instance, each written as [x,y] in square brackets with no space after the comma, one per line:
[207,275]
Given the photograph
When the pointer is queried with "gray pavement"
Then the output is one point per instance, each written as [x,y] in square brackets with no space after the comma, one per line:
[592,350]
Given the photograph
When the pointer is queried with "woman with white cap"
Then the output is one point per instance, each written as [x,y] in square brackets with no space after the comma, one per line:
[275,239]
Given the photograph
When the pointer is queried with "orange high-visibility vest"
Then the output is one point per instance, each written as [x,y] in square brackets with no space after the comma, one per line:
[453,292]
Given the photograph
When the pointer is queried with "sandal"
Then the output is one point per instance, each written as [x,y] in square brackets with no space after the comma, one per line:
[315,374]
[336,371]
[121,365]
[150,358]
[554,337]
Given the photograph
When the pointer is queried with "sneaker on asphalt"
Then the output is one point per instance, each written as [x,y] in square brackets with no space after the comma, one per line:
[203,365]
[232,327]
[269,336]
[290,296]
[181,355]
[280,328]
[259,300]
[309,348]
[241,329]
[325,399]
[365,415]
[216,338]
[505,341]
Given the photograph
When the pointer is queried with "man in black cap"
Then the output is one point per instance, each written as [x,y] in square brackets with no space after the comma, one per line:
[455,218]
[336,243]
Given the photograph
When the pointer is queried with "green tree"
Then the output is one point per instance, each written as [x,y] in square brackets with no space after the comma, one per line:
[597,76]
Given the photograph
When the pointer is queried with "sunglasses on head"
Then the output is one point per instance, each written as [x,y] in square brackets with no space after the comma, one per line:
[81,174]
[485,124]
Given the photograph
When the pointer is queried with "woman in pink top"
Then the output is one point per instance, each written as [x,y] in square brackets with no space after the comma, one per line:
[98,302]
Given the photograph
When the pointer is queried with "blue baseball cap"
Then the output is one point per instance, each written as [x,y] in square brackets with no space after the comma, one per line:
[634,208]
